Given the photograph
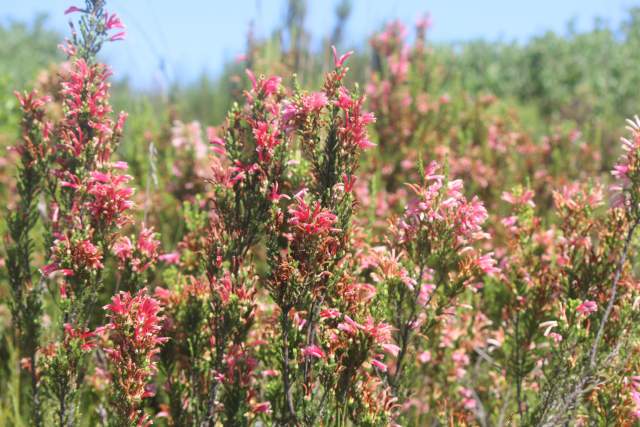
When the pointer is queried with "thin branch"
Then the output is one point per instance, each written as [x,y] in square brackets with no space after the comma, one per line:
[612,298]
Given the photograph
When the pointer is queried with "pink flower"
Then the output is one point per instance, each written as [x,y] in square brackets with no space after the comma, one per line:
[526,198]
[133,331]
[424,357]
[270,85]
[314,102]
[261,408]
[467,398]
[556,337]
[392,349]
[313,351]
[85,337]
[378,364]
[354,128]
[147,244]
[122,248]
[73,9]
[348,182]
[626,170]
[339,61]
[263,86]
[112,21]
[111,198]
[275,196]
[311,220]
[587,307]
[170,258]
[349,326]
[266,140]
[329,313]
[487,264]
[117,37]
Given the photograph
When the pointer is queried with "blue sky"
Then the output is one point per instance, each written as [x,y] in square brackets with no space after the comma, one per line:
[195,35]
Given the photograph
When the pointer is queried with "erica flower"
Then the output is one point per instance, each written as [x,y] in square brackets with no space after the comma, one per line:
[354,127]
[311,219]
[626,171]
[170,258]
[261,408]
[123,249]
[587,307]
[85,338]
[487,264]
[635,395]
[313,351]
[111,198]
[314,102]
[525,198]
[274,195]
[266,140]
[147,244]
[112,21]
[264,86]
[73,9]
[133,331]
[378,364]
[339,61]
[74,256]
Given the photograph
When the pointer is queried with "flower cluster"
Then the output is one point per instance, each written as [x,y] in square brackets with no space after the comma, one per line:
[299,264]
[134,340]
[626,171]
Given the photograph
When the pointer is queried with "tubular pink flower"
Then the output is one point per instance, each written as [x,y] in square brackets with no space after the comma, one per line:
[378,364]
[73,9]
[587,307]
[313,351]
[314,102]
[111,198]
[113,21]
[311,220]
[339,61]
[133,330]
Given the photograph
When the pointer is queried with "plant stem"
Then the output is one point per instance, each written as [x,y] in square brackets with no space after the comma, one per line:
[614,290]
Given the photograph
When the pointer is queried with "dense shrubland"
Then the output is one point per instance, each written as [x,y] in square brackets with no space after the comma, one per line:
[412,235]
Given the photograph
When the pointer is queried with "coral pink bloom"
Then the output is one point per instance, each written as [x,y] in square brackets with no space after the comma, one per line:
[339,60]
[117,306]
[354,129]
[270,85]
[424,357]
[170,258]
[392,349]
[526,198]
[378,364]
[274,195]
[122,248]
[348,181]
[329,313]
[487,264]
[313,351]
[111,197]
[147,244]
[73,9]
[314,102]
[265,86]
[261,408]
[85,337]
[349,326]
[113,21]
[311,220]
[117,37]
[587,307]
